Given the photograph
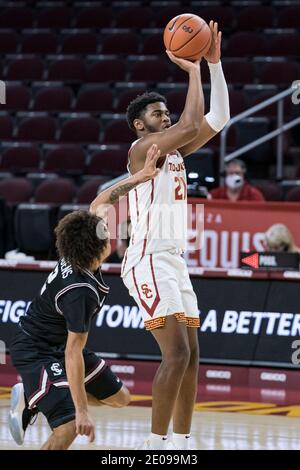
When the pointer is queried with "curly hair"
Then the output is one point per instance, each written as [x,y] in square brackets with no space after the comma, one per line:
[138,106]
[81,238]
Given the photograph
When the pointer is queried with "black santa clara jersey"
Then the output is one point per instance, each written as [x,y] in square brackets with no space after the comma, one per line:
[67,302]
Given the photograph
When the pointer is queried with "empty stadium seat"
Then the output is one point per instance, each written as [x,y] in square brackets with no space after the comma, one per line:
[239,72]
[165,14]
[16,17]
[15,190]
[271,191]
[94,99]
[34,225]
[280,72]
[246,44]
[20,158]
[224,15]
[108,162]
[126,97]
[54,17]
[94,17]
[67,69]
[66,209]
[118,132]
[134,17]
[285,45]
[255,17]
[288,17]
[65,159]
[8,41]
[293,194]
[25,68]
[40,128]
[17,97]
[80,43]
[80,129]
[150,71]
[121,43]
[107,70]
[55,191]
[53,99]
[6,127]
[88,191]
[39,43]
[153,44]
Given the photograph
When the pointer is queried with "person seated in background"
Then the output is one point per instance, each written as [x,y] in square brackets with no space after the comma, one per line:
[278,238]
[122,243]
[236,187]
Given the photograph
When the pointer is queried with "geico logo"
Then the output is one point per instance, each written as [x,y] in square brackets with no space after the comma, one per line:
[273,377]
[11,311]
[117,369]
[218,374]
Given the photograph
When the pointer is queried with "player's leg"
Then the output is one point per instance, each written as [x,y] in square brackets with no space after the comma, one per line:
[184,406]
[173,342]
[61,437]
[103,387]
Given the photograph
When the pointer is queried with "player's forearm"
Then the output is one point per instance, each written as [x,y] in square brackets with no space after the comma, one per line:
[219,113]
[75,375]
[114,193]
[194,105]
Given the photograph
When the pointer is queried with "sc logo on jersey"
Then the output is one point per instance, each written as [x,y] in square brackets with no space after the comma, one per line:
[56,368]
[146,291]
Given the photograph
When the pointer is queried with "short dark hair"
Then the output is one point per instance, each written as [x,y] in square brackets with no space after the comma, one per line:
[77,241]
[136,107]
[239,162]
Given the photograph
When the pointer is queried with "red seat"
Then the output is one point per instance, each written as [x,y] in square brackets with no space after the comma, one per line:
[15,190]
[80,43]
[255,17]
[150,71]
[224,15]
[29,68]
[94,99]
[271,110]
[288,17]
[94,17]
[285,45]
[118,132]
[88,191]
[68,159]
[20,158]
[237,102]
[6,127]
[239,72]
[134,17]
[40,128]
[85,129]
[8,42]
[165,14]
[280,73]
[17,97]
[53,99]
[67,69]
[108,70]
[39,43]
[153,44]
[176,101]
[271,191]
[108,162]
[55,191]
[16,18]
[246,44]
[54,18]
[126,97]
[121,43]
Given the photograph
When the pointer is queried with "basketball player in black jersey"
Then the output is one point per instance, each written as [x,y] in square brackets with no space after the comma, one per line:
[60,376]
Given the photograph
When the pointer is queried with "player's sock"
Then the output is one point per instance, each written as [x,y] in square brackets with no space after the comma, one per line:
[181,441]
[158,442]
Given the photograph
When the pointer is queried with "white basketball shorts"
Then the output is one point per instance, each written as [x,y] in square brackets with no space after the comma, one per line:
[161,286]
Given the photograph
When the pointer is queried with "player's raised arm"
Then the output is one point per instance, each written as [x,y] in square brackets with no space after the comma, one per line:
[114,193]
[153,123]
[219,113]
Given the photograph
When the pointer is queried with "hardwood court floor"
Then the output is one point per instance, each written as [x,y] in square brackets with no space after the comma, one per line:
[120,429]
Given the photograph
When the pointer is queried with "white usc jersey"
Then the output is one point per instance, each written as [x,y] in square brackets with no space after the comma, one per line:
[158,212]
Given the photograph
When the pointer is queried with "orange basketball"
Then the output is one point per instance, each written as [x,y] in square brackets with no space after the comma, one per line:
[188,36]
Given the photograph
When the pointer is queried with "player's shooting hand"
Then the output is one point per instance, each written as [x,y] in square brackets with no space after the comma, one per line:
[214,53]
[149,171]
[184,64]
[85,425]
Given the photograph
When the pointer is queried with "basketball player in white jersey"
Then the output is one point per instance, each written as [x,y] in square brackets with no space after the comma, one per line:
[153,269]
